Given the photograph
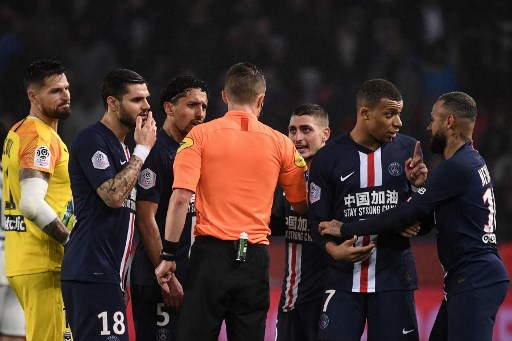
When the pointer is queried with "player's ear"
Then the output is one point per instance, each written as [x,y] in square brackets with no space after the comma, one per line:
[451,121]
[326,134]
[260,101]
[224,96]
[31,94]
[364,112]
[169,108]
[112,103]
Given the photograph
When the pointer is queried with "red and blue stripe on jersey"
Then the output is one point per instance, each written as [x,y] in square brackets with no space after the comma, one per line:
[356,183]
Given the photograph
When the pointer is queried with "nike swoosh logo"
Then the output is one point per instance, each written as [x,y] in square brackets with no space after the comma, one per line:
[343,178]
[122,162]
[405,332]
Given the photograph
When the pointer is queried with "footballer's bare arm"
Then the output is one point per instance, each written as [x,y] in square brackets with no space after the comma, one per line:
[114,191]
[26,173]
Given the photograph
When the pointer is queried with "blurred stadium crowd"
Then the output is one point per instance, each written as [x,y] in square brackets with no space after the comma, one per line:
[317,51]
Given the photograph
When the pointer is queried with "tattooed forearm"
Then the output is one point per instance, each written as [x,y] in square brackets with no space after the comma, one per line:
[26,173]
[114,191]
[57,231]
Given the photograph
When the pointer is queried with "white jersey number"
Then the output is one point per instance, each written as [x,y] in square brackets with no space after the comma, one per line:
[118,327]
[488,198]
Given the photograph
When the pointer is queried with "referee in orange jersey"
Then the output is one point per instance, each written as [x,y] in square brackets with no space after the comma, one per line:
[232,164]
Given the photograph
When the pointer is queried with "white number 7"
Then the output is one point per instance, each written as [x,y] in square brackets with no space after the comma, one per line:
[330,293]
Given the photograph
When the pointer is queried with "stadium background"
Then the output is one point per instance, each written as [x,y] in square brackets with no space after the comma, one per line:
[311,51]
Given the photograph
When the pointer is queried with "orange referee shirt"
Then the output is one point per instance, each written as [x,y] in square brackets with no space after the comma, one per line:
[233,164]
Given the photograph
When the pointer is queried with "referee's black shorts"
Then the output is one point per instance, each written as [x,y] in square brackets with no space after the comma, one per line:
[218,287]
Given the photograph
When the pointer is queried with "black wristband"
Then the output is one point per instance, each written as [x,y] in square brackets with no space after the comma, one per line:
[167,256]
[170,247]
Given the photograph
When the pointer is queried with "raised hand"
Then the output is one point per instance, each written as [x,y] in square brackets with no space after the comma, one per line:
[415,169]
[145,130]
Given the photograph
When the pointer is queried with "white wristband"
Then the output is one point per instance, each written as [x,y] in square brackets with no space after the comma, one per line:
[141,152]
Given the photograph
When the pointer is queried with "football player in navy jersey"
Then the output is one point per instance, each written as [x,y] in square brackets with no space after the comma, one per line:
[460,193]
[355,176]
[103,177]
[303,283]
[183,101]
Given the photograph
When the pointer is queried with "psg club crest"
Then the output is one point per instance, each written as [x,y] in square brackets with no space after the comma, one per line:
[395,169]
[112,338]
[324,321]
[163,334]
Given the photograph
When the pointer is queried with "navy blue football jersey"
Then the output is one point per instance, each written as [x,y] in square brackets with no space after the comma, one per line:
[460,192]
[155,185]
[100,242]
[305,261]
[349,182]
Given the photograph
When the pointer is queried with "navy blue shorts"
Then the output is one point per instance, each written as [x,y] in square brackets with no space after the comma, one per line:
[469,315]
[300,323]
[153,321]
[95,311]
[391,315]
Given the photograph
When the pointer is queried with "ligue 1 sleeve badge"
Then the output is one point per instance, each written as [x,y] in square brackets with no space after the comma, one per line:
[147,179]
[314,193]
[42,157]
[100,160]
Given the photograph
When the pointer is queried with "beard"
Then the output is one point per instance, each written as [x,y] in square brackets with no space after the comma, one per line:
[60,113]
[125,118]
[437,144]
[63,114]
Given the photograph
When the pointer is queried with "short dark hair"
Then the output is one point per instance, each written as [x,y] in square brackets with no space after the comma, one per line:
[314,110]
[116,83]
[244,82]
[373,90]
[39,70]
[461,104]
[178,87]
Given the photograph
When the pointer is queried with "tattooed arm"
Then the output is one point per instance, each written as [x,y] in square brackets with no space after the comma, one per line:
[34,185]
[114,191]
